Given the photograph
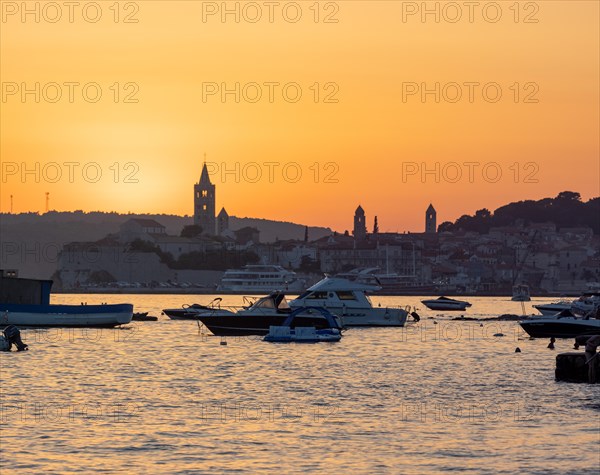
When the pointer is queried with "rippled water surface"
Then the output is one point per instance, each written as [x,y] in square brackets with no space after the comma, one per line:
[165,397]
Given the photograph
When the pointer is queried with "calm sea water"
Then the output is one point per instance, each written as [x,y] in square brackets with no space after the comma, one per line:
[164,397]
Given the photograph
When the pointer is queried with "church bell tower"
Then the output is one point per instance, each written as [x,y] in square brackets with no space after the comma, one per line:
[430,220]
[204,202]
[360,224]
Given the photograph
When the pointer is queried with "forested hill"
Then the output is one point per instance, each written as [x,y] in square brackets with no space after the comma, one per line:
[567,210]
[82,226]
[30,242]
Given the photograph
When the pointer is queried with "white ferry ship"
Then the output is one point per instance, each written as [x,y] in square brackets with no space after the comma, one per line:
[261,279]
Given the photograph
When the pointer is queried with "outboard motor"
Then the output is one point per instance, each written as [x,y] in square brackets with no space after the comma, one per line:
[415,316]
[12,335]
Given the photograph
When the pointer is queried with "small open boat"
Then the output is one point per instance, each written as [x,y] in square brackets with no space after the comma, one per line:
[143,317]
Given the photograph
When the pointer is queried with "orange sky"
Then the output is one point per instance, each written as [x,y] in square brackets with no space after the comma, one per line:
[378,141]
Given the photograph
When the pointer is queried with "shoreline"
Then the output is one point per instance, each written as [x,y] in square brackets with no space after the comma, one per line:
[145,291]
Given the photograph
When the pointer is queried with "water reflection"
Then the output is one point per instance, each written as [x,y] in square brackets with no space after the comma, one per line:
[164,397]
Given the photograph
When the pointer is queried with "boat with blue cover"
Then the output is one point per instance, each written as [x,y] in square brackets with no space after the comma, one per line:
[287,333]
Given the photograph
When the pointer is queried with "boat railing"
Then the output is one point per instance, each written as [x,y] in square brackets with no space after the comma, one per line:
[231,308]
[248,301]
[215,303]
[405,308]
[408,309]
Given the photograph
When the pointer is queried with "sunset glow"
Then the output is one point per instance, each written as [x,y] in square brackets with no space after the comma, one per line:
[359,134]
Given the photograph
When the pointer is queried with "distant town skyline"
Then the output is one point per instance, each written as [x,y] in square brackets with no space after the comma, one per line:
[429,224]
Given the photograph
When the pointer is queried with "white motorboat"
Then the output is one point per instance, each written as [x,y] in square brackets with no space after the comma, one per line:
[261,279]
[445,303]
[589,302]
[349,301]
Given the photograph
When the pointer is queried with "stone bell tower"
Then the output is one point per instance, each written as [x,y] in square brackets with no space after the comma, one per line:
[204,202]
[360,224]
[430,220]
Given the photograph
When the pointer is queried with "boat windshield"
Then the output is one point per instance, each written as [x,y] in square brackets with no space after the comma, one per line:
[317,295]
[304,295]
[266,302]
[345,295]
